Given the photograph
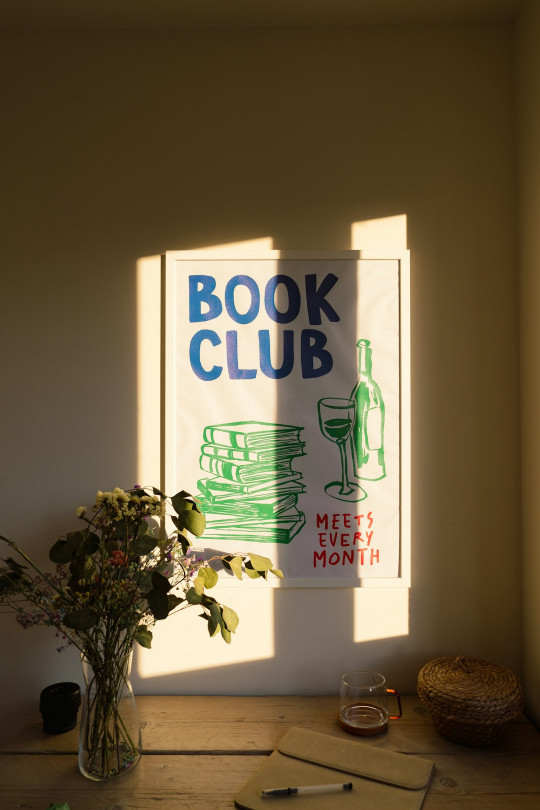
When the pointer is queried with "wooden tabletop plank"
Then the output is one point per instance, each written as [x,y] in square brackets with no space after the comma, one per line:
[180,782]
[250,724]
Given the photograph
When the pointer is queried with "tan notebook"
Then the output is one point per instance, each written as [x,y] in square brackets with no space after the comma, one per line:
[381,779]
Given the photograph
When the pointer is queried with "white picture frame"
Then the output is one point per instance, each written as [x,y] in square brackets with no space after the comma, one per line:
[217,306]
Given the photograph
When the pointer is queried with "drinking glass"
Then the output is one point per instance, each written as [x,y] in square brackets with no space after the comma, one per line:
[363,703]
[336,420]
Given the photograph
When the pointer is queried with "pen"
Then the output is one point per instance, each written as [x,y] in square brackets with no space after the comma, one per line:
[291,791]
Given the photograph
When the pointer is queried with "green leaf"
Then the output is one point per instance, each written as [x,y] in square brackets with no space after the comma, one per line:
[277,572]
[230,617]
[81,620]
[59,554]
[260,563]
[208,576]
[181,500]
[143,636]
[124,528]
[193,597]
[198,585]
[215,620]
[235,564]
[250,571]
[226,634]
[144,544]
[91,543]
[53,806]
[158,604]
[76,538]
[157,491]
[191,519]
[160,583]
[76,544]
[184,543]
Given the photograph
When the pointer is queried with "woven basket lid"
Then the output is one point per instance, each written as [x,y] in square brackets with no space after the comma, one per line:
[471,687]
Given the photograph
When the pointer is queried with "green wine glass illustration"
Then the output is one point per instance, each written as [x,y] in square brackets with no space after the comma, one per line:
[336,419]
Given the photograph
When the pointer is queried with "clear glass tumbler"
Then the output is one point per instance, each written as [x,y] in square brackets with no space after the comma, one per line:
[363,703]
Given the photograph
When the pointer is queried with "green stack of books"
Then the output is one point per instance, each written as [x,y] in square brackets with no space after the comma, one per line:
[252,490]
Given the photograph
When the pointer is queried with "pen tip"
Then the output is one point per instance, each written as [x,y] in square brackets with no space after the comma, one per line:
[348,786]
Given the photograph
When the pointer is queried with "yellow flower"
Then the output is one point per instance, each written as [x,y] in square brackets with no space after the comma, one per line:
[80,511]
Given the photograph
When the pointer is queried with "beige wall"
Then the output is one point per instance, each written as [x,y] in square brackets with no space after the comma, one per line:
[120,146]
[529,107]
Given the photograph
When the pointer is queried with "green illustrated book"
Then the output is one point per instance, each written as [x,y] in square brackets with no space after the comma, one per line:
[251,435]
[246,471]
[261,456]
[252,489]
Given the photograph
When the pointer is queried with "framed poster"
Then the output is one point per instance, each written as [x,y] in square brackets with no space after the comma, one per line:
[286,400]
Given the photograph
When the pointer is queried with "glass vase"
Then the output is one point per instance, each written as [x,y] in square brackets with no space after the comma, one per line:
[110,732]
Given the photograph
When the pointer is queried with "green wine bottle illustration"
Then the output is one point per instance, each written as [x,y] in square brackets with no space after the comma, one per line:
[367,437]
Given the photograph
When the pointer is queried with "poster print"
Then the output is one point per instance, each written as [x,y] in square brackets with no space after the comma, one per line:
[286,408]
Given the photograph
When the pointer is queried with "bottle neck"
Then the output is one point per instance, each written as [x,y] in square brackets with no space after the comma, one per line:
[364,357]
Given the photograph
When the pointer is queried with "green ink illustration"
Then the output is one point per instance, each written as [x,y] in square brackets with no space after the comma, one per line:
[367,438]
[336,420]
[357,424]
[252,489]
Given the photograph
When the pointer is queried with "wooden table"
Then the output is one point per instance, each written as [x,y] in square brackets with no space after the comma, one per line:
[199,751]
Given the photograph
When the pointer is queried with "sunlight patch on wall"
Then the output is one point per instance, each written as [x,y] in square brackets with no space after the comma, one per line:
[382,233]
[380,613]
[182,644]
[148,369]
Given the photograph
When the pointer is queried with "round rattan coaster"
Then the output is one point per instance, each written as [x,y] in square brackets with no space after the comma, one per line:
[471,701]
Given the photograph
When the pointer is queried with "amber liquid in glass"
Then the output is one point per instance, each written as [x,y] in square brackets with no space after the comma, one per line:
[363,718]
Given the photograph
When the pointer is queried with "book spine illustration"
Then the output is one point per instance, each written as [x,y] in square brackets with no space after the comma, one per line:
[251,435]
[262,456]
[242,473]
[230,453]
[230,438]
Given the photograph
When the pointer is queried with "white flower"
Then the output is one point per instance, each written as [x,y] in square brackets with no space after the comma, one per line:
[80,511]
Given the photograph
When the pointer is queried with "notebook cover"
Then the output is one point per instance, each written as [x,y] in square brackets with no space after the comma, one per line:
[382,780]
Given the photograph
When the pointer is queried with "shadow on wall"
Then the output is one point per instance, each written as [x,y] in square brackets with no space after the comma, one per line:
[304,635]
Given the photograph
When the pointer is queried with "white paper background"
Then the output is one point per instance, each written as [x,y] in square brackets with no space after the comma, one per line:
[366,298]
